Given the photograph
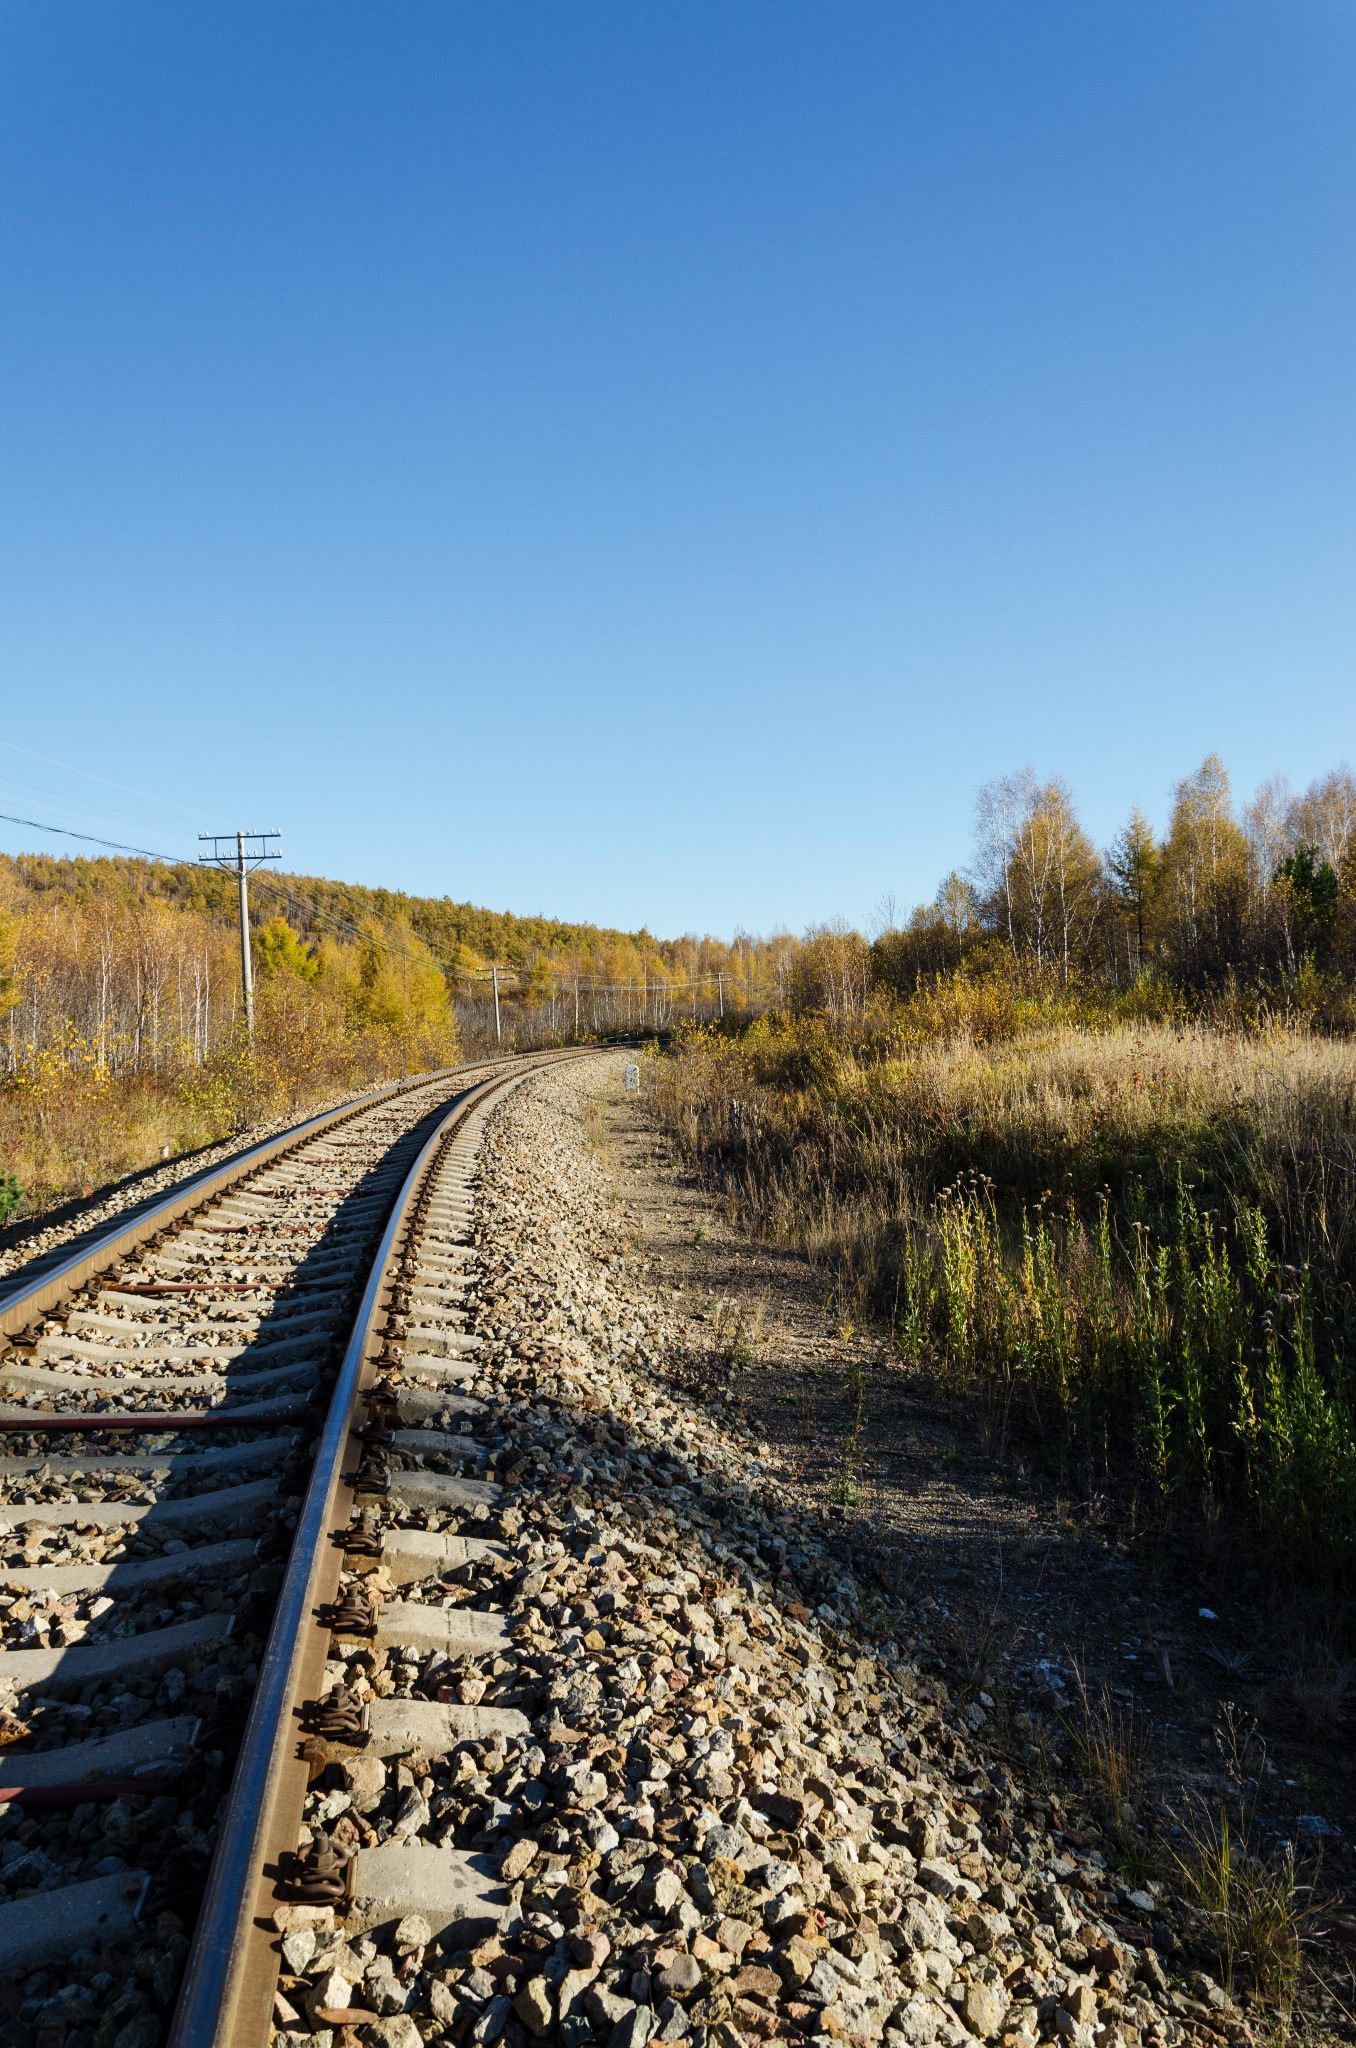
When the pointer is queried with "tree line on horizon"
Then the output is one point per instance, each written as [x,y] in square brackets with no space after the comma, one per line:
[1261,896]
[132,966]
[121,1026]
[122,1032]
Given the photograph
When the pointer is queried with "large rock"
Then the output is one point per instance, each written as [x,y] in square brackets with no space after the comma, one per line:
[945,1881]
[576,1695]
[984,2003]
[915,2021]
[365,1781]
[397,2031]
[534,2007]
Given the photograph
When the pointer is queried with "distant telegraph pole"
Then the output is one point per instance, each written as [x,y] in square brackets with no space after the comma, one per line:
[230,851]
[498,1034]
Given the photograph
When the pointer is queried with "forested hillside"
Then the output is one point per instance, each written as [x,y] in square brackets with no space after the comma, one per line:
[120,1001]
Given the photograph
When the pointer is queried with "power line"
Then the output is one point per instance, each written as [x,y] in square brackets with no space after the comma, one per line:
[97,811]
[70,768]
[174,860]
[312,914]
[310,911]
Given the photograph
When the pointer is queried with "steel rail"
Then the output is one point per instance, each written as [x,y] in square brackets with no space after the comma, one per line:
[216,1971]
[25,1303]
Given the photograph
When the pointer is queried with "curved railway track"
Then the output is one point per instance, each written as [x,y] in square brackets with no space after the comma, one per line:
[216,1419]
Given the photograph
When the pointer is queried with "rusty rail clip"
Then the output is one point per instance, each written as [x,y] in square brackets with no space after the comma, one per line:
[354,1614]
[340,1717]
[372,1475]
[320,1877]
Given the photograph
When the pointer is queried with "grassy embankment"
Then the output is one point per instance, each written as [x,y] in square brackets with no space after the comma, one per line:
[71,1121]
[1134,1240]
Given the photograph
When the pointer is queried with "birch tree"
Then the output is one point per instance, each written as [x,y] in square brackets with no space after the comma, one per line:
[1041,878]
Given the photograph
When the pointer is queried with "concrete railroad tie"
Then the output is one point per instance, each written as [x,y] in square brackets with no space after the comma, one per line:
[124,1575]
[154,1750]
[460,1631]
[81,1664]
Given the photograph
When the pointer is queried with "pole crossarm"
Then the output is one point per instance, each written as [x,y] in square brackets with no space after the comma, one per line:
[230,848]
[242,859]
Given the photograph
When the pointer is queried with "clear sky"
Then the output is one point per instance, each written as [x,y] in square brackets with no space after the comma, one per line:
[651,461]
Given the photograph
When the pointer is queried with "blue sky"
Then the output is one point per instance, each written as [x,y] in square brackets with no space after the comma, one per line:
[650,462]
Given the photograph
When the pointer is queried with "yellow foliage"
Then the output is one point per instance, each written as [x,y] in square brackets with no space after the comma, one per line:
[123,1032]
[279,950]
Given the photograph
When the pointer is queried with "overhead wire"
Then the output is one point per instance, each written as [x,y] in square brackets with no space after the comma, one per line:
[90,811]
[70,769]
[65,832]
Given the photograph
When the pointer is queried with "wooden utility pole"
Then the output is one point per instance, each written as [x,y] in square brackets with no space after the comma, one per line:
[498,1034]
[241,860]
[246,965]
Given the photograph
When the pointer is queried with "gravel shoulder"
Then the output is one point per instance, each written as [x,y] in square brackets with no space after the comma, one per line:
[1008,1587]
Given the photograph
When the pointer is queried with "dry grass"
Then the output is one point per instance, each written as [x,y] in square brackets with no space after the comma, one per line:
[69,1124]
[1112,1743]
[732,1348]
[835,1134]
[1141,1240]
[81,1129]
[1254,1904]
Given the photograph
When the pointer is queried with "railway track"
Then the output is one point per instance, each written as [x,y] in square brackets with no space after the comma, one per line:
[220,1419]
[299,1630]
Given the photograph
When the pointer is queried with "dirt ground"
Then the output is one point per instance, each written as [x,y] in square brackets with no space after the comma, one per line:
[1021,1594]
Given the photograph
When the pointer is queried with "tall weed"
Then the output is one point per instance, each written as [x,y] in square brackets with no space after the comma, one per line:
[1254,1907]
[1142,1240]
